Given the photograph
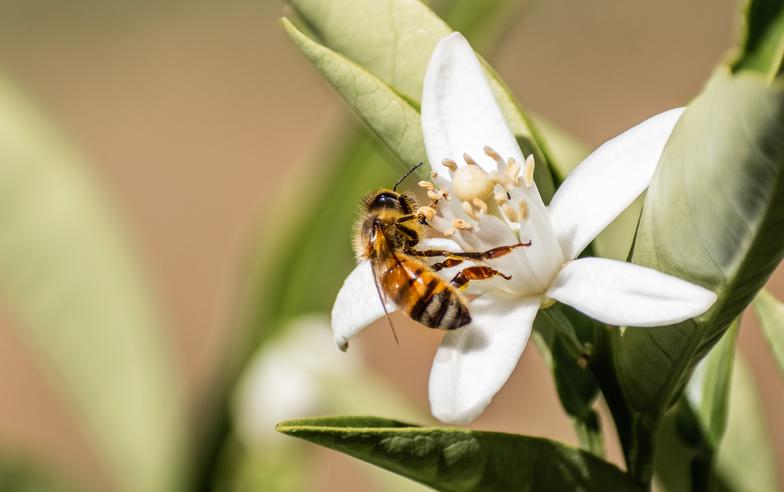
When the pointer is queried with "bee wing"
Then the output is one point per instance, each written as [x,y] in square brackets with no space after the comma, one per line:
[382,297]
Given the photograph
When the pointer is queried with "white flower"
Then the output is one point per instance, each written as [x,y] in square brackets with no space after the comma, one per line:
[494,202]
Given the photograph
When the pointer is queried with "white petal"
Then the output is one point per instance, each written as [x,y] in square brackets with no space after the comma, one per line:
[608,181]
[459,112]
[625,294]
[357,305]
[474,362]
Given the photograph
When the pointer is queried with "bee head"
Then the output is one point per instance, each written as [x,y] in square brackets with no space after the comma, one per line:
[385,200]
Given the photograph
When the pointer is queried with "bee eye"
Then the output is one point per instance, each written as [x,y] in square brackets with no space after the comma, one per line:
[385,200]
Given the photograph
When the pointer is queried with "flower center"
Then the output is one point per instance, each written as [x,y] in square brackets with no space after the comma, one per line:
[471,183]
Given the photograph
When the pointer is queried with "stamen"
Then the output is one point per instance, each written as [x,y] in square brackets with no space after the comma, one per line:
[528,176]
[501,197]
[469,210]
[433,174]
[494,155]
[427,185]
[461,224]
[510,212]
[449,164]
[427,212]
[513,170]
[469,160]
[523,209]
[449,232]
[481,205]
[435,195]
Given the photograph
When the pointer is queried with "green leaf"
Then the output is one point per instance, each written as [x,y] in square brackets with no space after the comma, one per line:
[713,215]
[71,279]
[393,40]
[706,396]
[770,313]
[391,117]
[745,461]
[694,429]
[456,459]
[762,49]
[563,335]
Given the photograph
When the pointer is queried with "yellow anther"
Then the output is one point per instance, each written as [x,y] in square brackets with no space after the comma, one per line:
[493,154]
[469,210]
[434,195]
[469,160]
[449,232]
[528,175]
[427,185]
[513,169]
[500,197]
[449,164]
[461,225]
[433,174]
[427,212]
[523,210]
[510,212]
[479,204]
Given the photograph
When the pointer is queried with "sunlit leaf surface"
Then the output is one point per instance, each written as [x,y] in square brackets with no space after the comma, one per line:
[451,459]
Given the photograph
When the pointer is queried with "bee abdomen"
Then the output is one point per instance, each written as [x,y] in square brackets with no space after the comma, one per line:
[440,308]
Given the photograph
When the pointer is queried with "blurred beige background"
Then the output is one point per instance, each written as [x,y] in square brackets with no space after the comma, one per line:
[194,112]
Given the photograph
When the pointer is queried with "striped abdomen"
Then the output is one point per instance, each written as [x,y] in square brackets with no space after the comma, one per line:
[421,293]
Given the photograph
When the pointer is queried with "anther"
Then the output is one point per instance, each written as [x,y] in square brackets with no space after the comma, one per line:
[510,212]
[528,176]
[501,197]
[427,185]
[469,210]
[469,160]
[433,174]
[449,232]
[513,170]
[461,224]
[449,164]
[434,195]
[493,155]
[480,204]
[427,212]
[523,210]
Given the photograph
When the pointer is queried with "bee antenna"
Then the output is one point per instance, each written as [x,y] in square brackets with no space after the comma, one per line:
[394,188]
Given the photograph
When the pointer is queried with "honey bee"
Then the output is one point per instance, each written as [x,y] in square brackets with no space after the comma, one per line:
[386,234]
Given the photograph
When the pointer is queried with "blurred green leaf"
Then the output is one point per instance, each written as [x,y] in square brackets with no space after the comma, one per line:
[745,460]
[693,430]
[70,277]
[457,459]
[706,396]
[713,215]
[17,475]
[393,119]
[770,313]
[393,40]
[762,49]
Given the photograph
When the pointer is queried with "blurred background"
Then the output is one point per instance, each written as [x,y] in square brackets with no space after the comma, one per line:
[195,115]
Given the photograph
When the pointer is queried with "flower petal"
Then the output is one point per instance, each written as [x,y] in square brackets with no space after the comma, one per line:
[459,112]
[357,305]
[625,294]
[608,181]
[474,362]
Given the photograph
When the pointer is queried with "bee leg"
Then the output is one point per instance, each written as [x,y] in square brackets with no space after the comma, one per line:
[475,273]
[448,263]
[470,255]
[413,237]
